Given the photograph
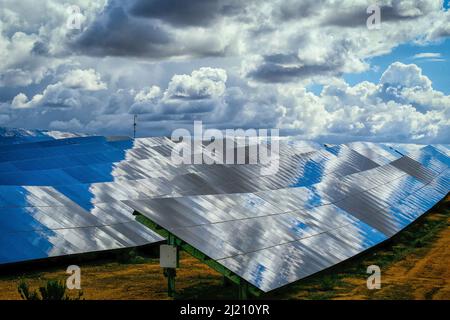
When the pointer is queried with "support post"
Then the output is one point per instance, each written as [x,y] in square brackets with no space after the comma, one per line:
[171,273]
[243,290]
[226,282]
[246,290]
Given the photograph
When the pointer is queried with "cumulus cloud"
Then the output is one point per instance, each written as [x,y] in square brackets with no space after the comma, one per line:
[201,84]
[194,93]
[33,37]
[17,67]
[83,79]
[148,94]
[402,106]
[313,39]
[62,94]
[311,35]
[228,63]
[155,30]
[399,74]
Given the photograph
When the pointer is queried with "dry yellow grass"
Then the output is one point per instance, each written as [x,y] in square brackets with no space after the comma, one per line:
[423,273]
[113,280]
[415,277]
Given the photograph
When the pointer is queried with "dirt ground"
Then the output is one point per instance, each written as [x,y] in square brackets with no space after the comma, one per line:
[420,272]
[417,276]
[112,280]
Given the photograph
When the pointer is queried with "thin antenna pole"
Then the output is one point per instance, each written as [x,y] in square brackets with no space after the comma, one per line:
[134,126]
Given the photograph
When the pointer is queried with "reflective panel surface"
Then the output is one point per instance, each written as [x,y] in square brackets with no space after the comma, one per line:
[65,194]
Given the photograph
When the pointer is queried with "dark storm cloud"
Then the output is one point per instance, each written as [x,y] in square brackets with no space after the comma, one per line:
[152,29]
[185,13]
[442,31]
[286,68]
[40,48]
[294,9]
[357,16]
[115,33]
[270,72]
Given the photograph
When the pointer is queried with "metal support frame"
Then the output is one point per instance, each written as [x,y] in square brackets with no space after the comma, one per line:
[246,289]
[171,273]
[243,290]
[226,282]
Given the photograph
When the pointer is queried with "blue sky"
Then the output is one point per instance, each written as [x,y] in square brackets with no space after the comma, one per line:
[315,69]
[437,71]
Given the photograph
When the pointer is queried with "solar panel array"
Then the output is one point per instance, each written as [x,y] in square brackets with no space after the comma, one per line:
[325,204]
[48,205]
[10,136]
[341,201]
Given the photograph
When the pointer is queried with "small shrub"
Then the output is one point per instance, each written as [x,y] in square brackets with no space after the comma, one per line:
[53,290]
[138,260]
[419,243]
[129,257]
[327,283]
[25,293]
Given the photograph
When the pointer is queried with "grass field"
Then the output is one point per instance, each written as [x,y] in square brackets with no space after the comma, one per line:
[414,265]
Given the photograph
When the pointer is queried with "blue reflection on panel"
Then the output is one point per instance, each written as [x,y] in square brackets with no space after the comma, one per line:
[80,194]
[18,219]
[64,157]
[68,169]
[258,275]
[12,136]
[77,167]
[315,198]
[298,227]
[313,170]
[370,236]
[17,247]
[14,217]
[431,158]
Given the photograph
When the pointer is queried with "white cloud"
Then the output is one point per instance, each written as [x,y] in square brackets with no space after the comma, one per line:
[314,39]
[71,125]
[202,83]
[62,94]
[148,94]
[401,107]
[405,76]
[84,80]
[17,66]
[198,92]
[33,38]
[427,55]
[230,64]
[21,101]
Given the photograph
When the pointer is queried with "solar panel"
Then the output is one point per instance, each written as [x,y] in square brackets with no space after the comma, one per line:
[325,204]
[302,229]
